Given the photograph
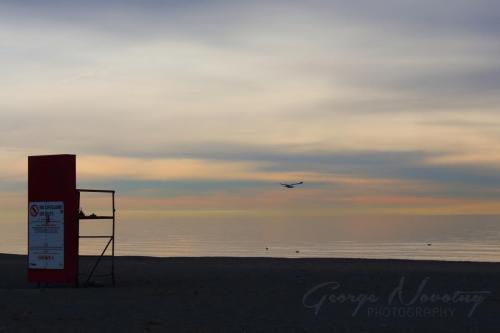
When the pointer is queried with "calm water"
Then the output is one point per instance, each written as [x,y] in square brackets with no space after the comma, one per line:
[474,238]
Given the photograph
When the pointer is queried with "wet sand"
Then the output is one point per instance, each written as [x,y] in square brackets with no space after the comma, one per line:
[259,295]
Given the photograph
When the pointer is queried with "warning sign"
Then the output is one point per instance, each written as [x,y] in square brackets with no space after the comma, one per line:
[46,235]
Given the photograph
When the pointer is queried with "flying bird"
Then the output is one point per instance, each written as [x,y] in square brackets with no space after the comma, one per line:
[291,185]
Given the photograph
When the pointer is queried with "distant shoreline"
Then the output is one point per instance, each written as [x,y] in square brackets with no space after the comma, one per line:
[2,255]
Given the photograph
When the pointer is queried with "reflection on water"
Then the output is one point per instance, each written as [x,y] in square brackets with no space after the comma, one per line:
[439,237]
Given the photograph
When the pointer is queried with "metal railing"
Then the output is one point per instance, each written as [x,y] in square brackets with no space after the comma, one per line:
[110,238]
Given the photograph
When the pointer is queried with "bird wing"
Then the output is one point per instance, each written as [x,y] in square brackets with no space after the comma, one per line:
[299,183]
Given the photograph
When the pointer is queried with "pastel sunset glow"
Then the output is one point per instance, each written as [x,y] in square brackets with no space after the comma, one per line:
[190,107]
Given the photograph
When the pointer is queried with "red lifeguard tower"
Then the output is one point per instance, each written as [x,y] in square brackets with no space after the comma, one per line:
[54,222]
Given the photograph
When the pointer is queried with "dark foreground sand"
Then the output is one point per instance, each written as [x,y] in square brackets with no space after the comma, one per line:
[258,295]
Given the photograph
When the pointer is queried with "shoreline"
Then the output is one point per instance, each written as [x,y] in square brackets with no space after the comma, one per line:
[248,294]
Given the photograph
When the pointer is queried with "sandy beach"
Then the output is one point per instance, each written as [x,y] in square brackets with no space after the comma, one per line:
[259,295]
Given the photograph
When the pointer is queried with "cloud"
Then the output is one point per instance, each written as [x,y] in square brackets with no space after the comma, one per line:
[395,96]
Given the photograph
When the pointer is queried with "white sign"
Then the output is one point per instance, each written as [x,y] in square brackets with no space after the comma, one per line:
[46,235]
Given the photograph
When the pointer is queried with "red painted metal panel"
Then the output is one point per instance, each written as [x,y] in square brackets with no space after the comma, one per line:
[53,178]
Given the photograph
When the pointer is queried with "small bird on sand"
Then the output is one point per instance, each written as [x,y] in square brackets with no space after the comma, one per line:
[291,185]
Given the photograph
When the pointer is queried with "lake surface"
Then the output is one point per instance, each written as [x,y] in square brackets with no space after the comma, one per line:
[471,238]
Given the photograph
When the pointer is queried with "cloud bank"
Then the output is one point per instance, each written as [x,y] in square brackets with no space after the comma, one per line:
[223,97]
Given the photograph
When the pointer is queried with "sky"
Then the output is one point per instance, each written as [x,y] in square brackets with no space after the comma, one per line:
[185,107]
